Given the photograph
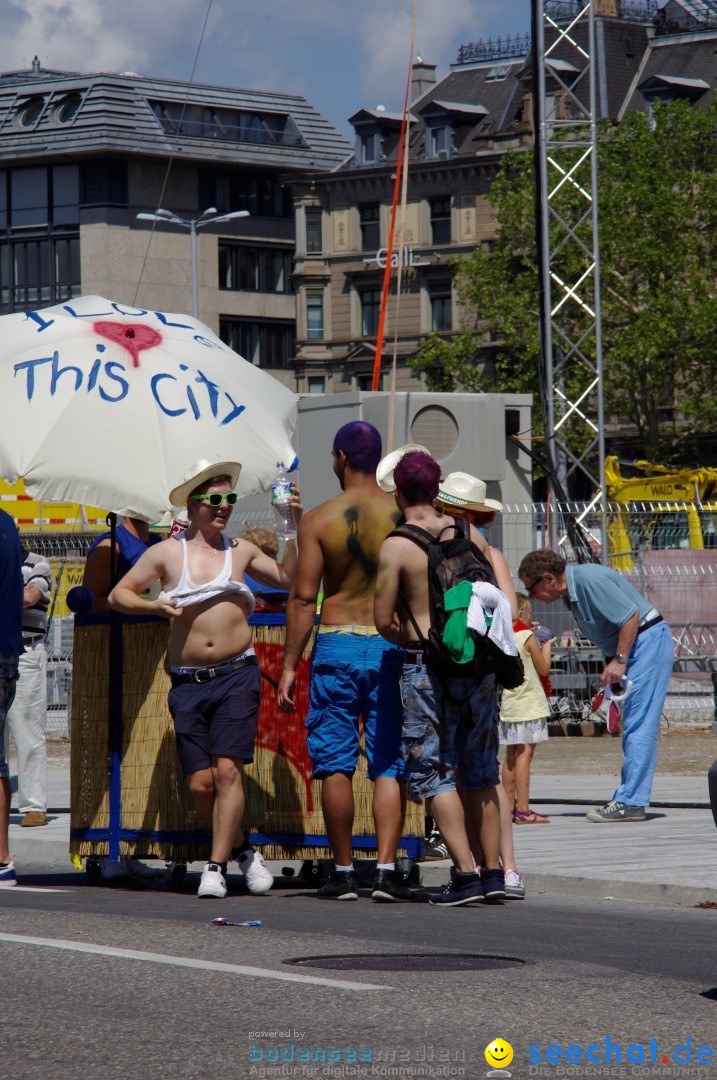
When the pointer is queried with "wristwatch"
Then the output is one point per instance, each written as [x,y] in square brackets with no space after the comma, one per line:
[620,658]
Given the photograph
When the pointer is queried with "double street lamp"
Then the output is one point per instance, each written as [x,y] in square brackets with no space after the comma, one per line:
[208,217]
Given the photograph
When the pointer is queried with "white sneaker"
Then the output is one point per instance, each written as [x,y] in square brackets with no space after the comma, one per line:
[257,875]
[514,885]
[7,875]
[212,883]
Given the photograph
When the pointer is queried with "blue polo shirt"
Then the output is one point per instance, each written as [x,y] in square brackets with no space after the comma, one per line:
[11,588]
[602,602]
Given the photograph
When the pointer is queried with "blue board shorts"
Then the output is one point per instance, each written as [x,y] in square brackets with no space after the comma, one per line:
[445,734]
[216,718]
[355,675]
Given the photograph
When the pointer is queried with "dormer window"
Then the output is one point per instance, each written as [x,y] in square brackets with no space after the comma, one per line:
[236,125]
[669,88]
[448,124]
[369,147]
[439,141]
[377,133]
[31,111]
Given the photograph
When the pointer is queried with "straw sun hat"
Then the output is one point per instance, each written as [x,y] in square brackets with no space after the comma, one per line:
[201,471]
[384,470]
[462,490]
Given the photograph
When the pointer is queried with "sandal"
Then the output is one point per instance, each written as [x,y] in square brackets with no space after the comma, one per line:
[529,817]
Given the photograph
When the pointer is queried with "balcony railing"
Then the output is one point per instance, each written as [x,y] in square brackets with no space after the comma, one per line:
[635,10]
[502,48]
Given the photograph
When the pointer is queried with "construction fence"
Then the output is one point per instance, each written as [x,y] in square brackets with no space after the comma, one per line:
[667,551]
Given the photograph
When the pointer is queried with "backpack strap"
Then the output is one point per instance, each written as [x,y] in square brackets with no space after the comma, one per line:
[423,539]
[413,532]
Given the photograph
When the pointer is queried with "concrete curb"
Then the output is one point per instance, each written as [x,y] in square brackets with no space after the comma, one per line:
[54,850]
[597,888]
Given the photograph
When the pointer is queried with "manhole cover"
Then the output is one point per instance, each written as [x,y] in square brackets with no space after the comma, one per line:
[408,962]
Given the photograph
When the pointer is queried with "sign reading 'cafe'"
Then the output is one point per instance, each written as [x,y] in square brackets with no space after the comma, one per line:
[409,258]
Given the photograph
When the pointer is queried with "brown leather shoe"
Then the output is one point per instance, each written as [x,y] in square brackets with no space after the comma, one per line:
[32,818]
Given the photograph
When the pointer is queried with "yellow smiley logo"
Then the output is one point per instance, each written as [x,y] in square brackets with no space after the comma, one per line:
[499,1053]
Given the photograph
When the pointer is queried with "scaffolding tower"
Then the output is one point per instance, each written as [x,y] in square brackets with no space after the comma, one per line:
[566,114]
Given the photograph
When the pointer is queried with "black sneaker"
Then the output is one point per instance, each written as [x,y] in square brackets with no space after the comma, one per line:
[461,890]
[493,882]
[389,885]
[340,886]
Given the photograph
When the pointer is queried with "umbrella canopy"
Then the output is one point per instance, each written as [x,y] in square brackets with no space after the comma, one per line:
[110,405]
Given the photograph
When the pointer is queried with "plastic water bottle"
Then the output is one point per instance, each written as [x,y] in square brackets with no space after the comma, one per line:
[280,500]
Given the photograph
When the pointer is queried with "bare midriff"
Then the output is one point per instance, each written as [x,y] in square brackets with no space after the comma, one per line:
[208,633]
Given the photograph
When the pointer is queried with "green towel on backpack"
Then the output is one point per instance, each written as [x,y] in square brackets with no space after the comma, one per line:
[457,638]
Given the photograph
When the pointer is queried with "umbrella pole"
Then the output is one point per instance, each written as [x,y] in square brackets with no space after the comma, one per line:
[115,711]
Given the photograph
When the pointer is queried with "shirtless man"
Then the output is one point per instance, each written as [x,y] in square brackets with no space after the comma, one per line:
[449,722]
[214,698]
[354,671]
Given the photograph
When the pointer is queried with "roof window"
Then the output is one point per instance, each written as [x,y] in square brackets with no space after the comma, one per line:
[30,111]
[498,73]
[234,125]
[68,108]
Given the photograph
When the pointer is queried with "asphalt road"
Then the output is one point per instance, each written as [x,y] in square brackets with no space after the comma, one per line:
[184,1004]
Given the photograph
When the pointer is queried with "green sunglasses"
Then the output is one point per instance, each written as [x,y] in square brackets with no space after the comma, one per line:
[216,498]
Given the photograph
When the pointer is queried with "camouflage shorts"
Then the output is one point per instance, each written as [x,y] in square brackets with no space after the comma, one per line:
[447,731]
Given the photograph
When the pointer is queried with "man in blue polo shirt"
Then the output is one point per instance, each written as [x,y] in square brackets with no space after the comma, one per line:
[11,590]
[637,644]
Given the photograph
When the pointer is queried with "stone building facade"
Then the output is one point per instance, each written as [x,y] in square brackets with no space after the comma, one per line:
[82,154]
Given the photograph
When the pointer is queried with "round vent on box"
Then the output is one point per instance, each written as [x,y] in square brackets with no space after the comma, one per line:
[435,428]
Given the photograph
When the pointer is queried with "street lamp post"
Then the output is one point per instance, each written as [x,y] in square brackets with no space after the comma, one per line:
[207,217]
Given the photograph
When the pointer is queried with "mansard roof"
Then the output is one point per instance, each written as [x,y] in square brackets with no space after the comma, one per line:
[74,113]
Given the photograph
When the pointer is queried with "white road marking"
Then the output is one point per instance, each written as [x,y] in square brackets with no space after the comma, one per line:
[29,888]
[187,962]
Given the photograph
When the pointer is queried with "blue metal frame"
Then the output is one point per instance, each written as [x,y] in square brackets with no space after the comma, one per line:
[412,845]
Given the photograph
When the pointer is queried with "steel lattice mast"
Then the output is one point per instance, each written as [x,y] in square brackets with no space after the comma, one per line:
[566,114]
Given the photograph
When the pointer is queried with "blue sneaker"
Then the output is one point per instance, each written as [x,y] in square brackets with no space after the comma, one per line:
[462,889]
[7,874]
[493,882]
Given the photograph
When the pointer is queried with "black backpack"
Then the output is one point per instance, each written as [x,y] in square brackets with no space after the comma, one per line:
[451,561]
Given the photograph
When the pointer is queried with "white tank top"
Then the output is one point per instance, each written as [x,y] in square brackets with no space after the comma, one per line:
[188,593]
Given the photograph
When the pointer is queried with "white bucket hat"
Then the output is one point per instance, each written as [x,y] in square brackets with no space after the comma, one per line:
[384,470]
[199,472]
[464,491]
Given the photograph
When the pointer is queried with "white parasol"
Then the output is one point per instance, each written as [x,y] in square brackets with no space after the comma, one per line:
[109,405]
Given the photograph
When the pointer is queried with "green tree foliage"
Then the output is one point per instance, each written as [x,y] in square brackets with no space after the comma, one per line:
[658,238]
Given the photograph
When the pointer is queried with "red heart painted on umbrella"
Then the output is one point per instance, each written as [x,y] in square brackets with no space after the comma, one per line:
[134,338]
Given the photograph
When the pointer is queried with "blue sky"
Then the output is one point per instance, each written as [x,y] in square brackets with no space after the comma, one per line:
[341,54]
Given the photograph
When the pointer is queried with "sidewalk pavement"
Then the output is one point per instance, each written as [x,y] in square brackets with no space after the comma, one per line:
[670,858]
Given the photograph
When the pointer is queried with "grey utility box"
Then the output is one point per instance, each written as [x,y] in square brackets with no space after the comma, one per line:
[464,432]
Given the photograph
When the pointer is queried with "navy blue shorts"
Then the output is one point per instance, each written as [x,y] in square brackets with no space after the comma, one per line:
[216,718]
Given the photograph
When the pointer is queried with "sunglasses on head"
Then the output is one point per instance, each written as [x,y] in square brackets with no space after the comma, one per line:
[216,498]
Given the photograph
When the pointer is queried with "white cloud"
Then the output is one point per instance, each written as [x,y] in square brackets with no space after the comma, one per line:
[385,36]
[93,35]
[340,54]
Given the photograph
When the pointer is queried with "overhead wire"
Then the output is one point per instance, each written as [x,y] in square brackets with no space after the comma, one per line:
[172,156]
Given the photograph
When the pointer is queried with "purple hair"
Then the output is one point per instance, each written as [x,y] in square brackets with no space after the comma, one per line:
[361,443]
[417,476]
